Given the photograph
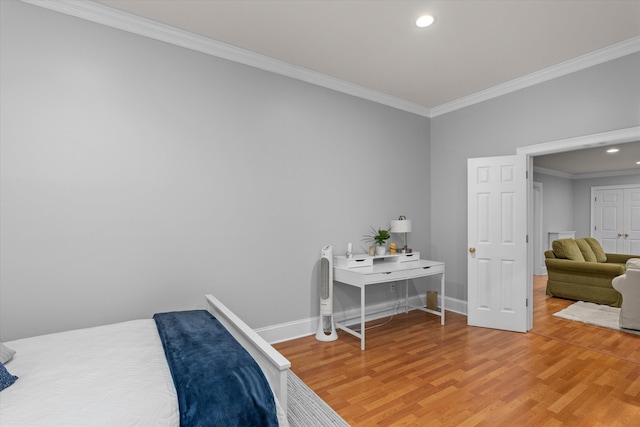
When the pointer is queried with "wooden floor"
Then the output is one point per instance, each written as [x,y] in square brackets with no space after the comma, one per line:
[419,373]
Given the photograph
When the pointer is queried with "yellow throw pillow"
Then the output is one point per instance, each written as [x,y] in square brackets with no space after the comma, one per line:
[586,250]
[597,249]
[567,249]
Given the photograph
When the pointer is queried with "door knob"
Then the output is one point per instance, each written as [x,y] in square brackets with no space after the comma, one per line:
[626,234]
[619,234]
[472,250]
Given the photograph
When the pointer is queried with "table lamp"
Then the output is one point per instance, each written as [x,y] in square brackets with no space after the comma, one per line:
[402,225]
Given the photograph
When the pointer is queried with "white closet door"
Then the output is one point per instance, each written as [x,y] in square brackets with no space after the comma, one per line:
[631,235]
[616,219]
[608,219]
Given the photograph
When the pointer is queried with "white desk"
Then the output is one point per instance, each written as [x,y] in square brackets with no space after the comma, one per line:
[362,271]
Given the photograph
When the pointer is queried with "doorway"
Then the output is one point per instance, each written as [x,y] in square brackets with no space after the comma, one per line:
[600,139]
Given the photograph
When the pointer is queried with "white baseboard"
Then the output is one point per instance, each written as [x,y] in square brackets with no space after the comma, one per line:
[305,327]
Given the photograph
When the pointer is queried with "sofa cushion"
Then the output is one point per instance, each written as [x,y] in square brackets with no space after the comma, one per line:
[567,249]
[597,249]
[586,250]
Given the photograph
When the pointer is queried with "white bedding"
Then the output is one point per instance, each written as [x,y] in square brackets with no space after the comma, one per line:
[113,375]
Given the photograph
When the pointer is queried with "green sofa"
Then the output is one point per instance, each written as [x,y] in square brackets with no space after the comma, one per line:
[578,269]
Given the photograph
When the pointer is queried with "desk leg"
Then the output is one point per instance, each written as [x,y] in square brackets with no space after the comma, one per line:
[362,317]
[406,296]
[442,310]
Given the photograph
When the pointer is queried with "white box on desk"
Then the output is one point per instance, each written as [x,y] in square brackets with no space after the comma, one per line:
[397,257]
[364,260]
[359,260]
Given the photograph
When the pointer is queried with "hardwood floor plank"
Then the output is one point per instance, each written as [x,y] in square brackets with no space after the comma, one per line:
[416,372]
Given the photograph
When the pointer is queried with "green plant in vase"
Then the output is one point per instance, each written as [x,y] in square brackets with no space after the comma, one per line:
[379,237]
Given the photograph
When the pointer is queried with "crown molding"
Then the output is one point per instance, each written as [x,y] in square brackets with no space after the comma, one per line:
[105,15]
[552,172]
[618,136]
[125,21]
[601,139]
[615,51]
[590,175]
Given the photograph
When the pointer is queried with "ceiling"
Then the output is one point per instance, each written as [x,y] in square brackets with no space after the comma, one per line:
[474,45]
[593,160]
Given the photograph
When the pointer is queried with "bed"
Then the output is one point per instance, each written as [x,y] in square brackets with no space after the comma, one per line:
[148,372]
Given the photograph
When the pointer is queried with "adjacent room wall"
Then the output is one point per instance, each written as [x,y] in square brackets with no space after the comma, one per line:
[602,98]
[567,201]
[557,205]
[137,176]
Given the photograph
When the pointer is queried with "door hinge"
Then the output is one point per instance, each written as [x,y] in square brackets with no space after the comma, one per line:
[526,239]
[527,302]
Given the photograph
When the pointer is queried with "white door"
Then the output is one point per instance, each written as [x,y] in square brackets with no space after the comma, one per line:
[608,219]
[631,221]
[616,219]
[497,242]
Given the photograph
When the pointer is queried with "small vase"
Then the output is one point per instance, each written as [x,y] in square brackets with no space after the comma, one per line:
[380,250]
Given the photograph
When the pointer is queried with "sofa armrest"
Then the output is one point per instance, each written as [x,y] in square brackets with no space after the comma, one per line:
[603,268]
[619,258]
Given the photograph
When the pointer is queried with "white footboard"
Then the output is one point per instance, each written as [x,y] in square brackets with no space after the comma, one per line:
[274,365]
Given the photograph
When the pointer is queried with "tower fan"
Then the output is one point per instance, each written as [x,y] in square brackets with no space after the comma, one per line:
[326,328]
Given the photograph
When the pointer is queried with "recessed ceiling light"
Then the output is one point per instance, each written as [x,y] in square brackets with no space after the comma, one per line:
[425,21]
[613,150]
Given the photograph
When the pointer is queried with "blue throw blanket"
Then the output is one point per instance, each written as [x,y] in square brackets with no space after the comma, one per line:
[217,381]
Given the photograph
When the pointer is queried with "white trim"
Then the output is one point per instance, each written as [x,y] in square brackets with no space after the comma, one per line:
[306,327]
[611,187]
[607,174]
[615,51]
[551,172]
[539,267]
[590,175]
[597,139]
[105,15]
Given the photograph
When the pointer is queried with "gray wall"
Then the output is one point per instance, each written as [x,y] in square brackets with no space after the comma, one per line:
[557,204]
[137,176]
[601,98]
[567,201]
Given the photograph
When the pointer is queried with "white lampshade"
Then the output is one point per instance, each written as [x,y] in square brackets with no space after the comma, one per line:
[401,226]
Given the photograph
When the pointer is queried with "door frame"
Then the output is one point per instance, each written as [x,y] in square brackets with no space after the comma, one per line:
[539,246]
[602,139]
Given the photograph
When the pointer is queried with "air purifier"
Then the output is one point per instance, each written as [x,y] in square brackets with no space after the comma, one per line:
[326,327]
